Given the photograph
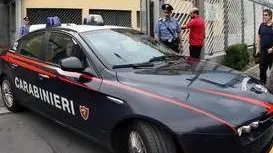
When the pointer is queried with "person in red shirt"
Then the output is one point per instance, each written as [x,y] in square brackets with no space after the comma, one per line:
[197,33]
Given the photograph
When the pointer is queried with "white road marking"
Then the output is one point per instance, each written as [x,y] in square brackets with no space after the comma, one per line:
[3,110]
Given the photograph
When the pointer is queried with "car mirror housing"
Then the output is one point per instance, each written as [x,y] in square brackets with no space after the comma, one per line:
[72,64]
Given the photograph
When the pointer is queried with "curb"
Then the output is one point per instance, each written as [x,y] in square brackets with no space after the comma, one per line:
[3,111]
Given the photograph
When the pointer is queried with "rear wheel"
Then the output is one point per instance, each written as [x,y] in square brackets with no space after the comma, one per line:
[8,96]
[143,137]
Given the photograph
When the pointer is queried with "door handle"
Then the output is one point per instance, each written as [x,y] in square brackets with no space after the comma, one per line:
[14,66]
[43,76]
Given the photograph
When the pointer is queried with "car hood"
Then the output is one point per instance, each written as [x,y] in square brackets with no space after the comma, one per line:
[210,87]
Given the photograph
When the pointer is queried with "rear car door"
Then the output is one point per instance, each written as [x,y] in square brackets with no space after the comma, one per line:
[73,99]
[24,68]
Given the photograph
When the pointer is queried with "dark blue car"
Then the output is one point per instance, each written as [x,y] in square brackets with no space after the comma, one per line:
[121,89]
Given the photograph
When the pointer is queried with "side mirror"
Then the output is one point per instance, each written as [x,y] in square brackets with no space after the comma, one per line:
[72,64]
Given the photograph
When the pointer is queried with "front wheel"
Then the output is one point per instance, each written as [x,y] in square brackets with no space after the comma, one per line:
[146,138]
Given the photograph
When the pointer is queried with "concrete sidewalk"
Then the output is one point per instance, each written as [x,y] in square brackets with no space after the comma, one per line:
[254,71]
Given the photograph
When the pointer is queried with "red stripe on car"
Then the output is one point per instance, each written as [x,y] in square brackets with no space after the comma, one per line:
[257,102]
[171,101]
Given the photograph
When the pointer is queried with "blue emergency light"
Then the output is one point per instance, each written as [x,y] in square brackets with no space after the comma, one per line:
[53,22]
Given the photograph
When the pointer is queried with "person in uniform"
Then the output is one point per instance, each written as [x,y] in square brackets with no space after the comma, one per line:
[167,30]
[25,27]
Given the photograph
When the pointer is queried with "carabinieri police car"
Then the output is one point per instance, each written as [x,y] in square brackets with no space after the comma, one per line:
[123,90]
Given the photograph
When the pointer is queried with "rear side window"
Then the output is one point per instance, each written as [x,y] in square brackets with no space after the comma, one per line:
[61,46]
[32,46]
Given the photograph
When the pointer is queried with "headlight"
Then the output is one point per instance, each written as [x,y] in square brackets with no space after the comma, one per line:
[240,131]
[254,125]
[247,129]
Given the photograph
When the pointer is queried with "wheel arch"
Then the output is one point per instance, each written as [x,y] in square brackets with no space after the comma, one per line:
[124,123]
[2,76]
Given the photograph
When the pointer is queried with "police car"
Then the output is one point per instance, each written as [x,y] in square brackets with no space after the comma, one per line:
[121,89]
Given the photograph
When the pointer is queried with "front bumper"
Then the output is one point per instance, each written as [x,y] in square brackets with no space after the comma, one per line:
[228,143]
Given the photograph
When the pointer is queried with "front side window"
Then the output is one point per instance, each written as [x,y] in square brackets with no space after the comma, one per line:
[62,46]
[125,46]
[32,46]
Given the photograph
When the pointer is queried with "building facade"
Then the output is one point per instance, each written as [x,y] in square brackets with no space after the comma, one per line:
[118,12]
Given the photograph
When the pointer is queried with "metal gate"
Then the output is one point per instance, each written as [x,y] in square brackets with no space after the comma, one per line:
[215,26]
[39,15]
[228,22]
[223,19]
[114,17]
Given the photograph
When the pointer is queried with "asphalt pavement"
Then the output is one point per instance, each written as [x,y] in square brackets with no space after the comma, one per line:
[27,132]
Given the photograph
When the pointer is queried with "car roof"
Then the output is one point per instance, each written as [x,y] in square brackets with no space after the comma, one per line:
[86,28]
[80,28]
[35,27]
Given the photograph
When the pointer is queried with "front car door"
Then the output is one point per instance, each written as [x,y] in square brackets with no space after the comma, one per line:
[70,99]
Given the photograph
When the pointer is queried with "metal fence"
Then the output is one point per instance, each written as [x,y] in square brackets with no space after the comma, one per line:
[228,22]
[39,15]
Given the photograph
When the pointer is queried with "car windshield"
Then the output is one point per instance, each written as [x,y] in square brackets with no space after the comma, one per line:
[125,46]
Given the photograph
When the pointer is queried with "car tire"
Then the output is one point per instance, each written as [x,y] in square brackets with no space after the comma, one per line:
[8,95]
[146,138]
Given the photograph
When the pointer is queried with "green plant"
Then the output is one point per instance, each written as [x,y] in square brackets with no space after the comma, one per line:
[237,57]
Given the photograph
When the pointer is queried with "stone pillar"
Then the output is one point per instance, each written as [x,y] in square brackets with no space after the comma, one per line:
[18,19]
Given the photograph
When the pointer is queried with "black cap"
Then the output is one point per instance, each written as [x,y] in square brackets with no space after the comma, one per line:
[167,7]
[26,18]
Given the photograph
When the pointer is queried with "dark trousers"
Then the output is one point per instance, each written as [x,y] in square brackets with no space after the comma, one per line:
[173,46]
[195,51]
[265,63]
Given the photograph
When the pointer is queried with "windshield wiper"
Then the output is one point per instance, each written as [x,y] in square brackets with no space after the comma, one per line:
[138,65]
[164,57]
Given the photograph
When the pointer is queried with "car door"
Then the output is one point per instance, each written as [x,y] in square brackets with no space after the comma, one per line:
[73,99]
[24,65]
